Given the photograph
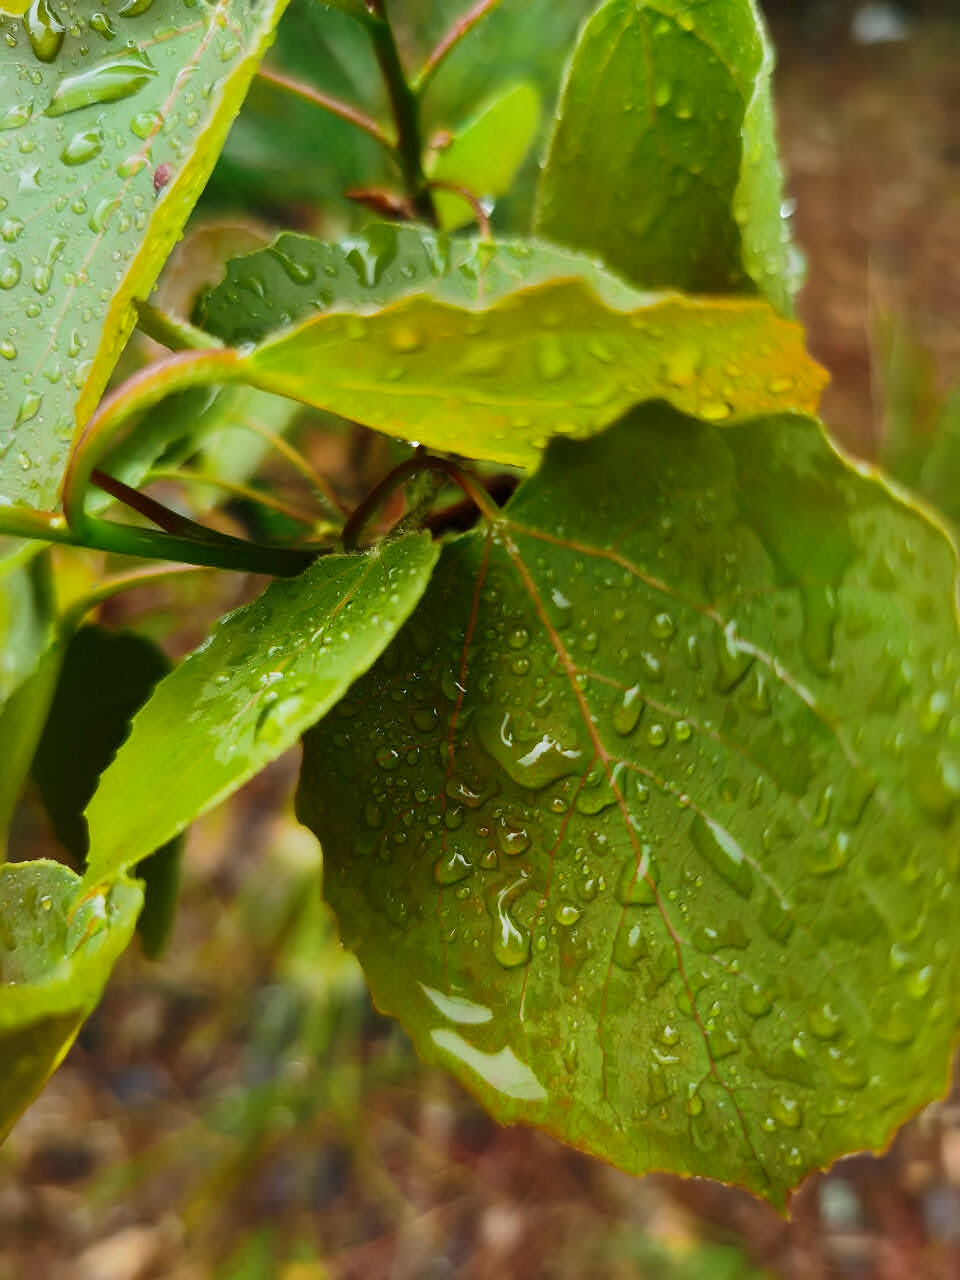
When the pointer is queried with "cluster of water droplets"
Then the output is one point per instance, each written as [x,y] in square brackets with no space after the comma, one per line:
[76,197]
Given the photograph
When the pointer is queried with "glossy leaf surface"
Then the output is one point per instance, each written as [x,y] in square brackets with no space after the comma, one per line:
[269,671]
[108,133]
[56,953]
[647,823]
[663,160]
[513,344]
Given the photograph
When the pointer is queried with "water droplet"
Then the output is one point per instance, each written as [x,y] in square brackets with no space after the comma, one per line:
[10,270]
[717,847]
[733,660]
[29,408]
[133,8]
[787,1111]
[452,867]
[533,761]
[661,94]
[824,1021]
[512,838]
[100,22]
[627,712]
[511,946]
[118,75]
[552,359]
[8,350]
[44,30]
[682,365]
[630,945]
[296,272]
[82,147]
[754,1001]
[636,884]
[657,735]
[14,117]
[42,277]
[567,914]
[694,1102]
[714,411]
[145,123]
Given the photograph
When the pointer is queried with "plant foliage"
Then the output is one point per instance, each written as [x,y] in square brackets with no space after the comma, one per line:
[638,792]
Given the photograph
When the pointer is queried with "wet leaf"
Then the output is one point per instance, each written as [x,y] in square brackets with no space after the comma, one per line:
[512,344]
[30,655]
[56,953]
[664,159]
[483,157]
[647,823]
[110,132]
[269,671]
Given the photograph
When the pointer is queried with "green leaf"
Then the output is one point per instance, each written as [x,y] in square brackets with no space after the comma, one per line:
[105,678]
[664,158]
[30,654]
[512,344]
[111,131]
[647,823]
[269,671]
[56,953]
[484,156]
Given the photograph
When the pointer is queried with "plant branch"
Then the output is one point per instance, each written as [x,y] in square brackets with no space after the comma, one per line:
[163,517]
[172,332]
[413,466]
[244,491]
[319,483]
[343,110]
[461,28]
[405,106]
[475,203]
[117,583]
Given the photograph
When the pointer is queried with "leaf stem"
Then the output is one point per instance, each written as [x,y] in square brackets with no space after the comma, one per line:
[368,508]
[475,203]
[319,483]
[244,491]
[461,28]
[172,332]
[117,583]
[405,106]
[343,110]
[163,517]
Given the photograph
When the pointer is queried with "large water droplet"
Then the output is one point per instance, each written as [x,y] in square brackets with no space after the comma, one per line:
[10,270]
[717,847]
[14,117]
[100,22]
[733,660]
[627,711]
[511,946]
[83,146]
[44,29]
[133,8]
[552,360]
[452,867]
[636,884]
[29,408]
[118,75]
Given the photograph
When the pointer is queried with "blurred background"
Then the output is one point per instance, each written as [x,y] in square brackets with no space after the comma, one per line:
[238,1110]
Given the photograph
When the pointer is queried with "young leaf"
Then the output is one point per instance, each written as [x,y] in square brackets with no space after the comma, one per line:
[56,953]
[664,158]
[513,343]
[112,128]
[268,672]
[484,156]
[659,847]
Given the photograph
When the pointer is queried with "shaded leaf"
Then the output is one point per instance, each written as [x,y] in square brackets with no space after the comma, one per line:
[269,671]
[512,344]
[56,953]
[664,158]
[674,872]
[30,654]
[483,157]
[107,142]
[105,678]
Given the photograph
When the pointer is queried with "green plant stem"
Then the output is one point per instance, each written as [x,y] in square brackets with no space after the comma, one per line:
[322,488]
[398,476]
[343,110]
[461,28]
[118,583]
[244,491]
[163,517]
[405,106]
[172,332]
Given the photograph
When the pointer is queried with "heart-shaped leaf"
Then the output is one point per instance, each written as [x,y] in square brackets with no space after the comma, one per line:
[56,953]
[267,673]
[647,823]
[111,125]
[664,159]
